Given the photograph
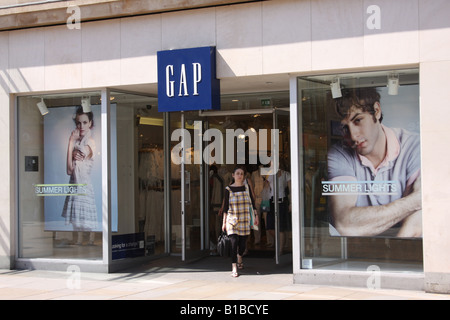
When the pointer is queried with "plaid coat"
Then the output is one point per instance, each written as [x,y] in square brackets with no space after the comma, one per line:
[238,214]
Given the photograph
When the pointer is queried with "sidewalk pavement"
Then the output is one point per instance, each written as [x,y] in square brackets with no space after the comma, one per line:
[170,279]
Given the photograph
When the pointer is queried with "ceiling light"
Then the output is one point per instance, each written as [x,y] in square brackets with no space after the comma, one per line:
[42,107]
[393,84]
[336,88]
[86,104]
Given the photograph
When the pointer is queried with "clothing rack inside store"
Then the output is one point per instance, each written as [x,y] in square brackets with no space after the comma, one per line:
[150,147]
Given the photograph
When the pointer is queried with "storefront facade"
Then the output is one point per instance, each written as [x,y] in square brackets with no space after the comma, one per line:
[281,67]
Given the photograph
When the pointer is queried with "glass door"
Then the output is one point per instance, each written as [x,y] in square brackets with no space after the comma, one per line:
[272,129]
[188,185]
[281,185]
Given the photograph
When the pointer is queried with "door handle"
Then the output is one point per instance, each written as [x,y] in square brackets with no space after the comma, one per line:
[188,182]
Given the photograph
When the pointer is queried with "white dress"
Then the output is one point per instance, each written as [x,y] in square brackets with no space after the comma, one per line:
[80,210]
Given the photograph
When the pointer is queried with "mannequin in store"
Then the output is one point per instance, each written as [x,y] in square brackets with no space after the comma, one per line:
[216,190]
[225,175]
[284,185]
[80,210]
[266,195]
[151,191]
[258,182]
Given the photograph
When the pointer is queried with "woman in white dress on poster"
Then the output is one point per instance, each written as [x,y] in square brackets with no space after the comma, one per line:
[80,210]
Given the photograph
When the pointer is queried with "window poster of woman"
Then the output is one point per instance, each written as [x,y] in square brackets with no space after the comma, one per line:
[72,167]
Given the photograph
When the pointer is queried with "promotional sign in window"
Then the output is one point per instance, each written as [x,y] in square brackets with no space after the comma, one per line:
[127,246]
[367,168]
[73,170]
[187,80]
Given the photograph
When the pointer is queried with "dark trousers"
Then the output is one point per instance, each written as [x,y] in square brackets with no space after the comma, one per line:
[238,245]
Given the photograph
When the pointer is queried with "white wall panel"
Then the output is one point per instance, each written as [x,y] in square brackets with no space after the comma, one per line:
[435,137]
[337,34]
[183,29]
[397,39]
[6,142]
[62,48]
[101,53]
[286,36]
[26,60]
[434,30]
[239,40]
[140,40]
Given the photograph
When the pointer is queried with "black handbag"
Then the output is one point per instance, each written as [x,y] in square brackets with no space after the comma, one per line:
[224,245]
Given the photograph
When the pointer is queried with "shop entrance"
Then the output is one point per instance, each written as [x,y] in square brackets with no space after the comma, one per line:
[273,239]
[201,168]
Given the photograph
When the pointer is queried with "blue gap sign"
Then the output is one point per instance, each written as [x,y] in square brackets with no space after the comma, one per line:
[187,80]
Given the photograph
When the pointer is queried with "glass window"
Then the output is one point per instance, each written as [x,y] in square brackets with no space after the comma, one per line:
[137,176]
[250,101]
[361,169]
[59,176]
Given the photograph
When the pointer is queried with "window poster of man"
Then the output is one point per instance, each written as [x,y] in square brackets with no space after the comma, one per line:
[72,169]
[373,180]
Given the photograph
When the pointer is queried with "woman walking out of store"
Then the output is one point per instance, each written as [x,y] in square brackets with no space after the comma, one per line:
[237,217]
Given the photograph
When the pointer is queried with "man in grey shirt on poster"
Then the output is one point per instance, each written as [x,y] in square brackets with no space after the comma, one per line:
[382,166]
